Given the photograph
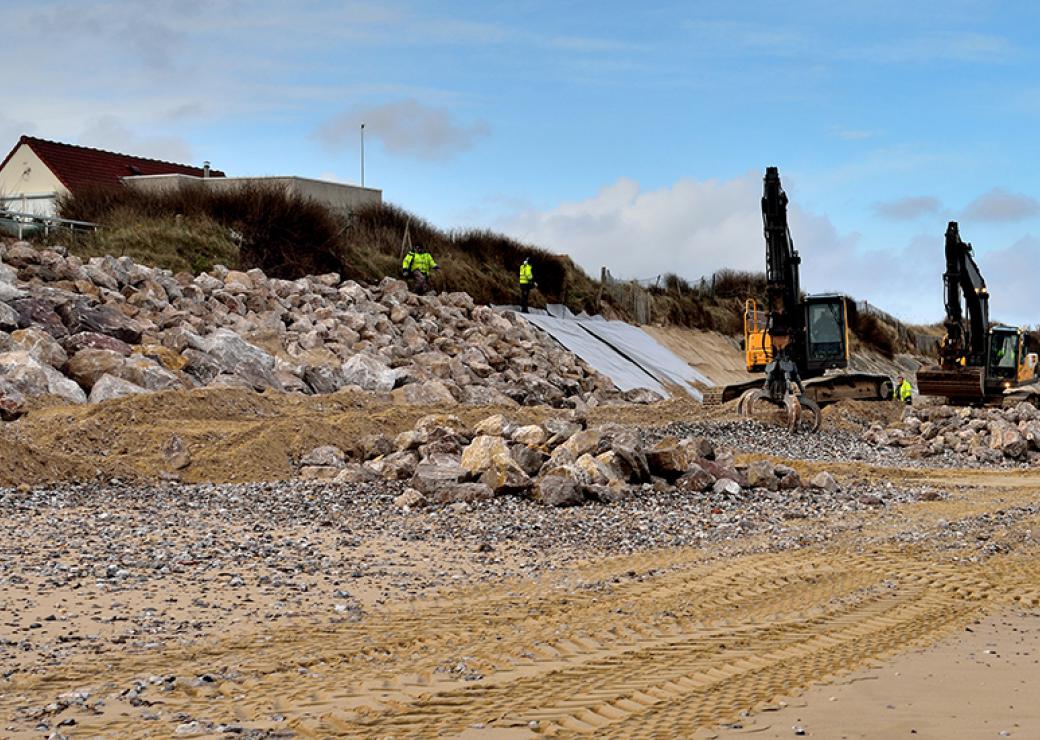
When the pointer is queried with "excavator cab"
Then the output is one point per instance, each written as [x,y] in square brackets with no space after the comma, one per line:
[826,333]
[1003,356]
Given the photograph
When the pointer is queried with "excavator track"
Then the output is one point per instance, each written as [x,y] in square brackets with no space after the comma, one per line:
[823,391]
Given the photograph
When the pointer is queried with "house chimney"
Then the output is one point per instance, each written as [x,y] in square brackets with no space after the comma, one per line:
[205,168]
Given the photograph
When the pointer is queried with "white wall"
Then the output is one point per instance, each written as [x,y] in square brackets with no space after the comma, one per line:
[335,195]
[26,175]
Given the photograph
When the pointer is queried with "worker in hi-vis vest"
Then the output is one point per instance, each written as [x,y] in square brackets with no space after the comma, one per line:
[526,283]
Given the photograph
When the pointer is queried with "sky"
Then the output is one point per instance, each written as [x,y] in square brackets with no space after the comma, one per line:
[627,135]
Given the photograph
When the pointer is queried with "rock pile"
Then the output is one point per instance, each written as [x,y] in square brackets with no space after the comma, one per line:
[108,327]
[561,462]
[987,435]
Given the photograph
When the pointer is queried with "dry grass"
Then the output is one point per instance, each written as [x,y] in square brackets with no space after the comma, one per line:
[191,244]
[285,235]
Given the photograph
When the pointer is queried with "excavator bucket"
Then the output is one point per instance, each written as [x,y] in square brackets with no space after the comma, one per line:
[960,383]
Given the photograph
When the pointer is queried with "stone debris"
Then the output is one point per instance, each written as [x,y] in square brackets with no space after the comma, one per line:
[560,462]
[66,323]
[971,435]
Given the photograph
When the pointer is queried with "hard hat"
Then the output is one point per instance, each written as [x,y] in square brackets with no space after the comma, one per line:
[526,260]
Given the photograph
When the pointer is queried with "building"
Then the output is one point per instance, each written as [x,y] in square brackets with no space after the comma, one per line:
[37,171]
[337,196]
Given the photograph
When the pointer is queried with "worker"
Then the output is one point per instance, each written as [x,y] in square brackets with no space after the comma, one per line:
[418,264]
[526,283]
[903,391]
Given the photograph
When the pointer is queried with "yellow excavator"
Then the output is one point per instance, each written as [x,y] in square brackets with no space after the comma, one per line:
[795,339]
[979,363]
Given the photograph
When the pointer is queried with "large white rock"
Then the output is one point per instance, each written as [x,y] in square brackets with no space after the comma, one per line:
[108,387]
[369,372]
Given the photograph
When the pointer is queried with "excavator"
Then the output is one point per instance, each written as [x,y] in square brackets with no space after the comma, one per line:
[980,363]
[796,340]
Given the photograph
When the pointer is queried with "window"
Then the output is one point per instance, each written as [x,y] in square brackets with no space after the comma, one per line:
[826,331]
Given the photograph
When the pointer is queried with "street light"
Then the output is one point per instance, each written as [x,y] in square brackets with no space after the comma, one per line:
[362,155]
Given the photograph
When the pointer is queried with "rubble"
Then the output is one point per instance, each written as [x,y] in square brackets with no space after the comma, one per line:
[558,462]
[156,330]
[971,435]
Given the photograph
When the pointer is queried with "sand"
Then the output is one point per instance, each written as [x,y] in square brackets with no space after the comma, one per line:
[982,681]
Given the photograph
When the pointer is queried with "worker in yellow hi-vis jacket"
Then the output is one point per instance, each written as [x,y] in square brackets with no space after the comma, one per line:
[526,283]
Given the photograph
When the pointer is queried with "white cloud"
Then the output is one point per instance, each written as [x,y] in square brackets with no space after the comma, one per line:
[109,133]
[856,134]
[1012,281]
[1001,205]
[905,209]
[694,227]
[406,127]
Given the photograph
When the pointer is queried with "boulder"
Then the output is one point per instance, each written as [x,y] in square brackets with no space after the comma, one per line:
[1007,439]
[529,459]
[372,446]
[176,454]
[560,430]
[395,466]
[105,319]
[92,340]
[36,312]
[495,426]
[720,470]
[699,447]
[824,481]
[462,493]
[8,316]
[762,474]
[668,459]
[369,373]
[40,345]
[88,365]
[319,472]
[34,379]
[235,356]
[410,499]
[435,473]
[695,480]
[558,490]
[489,458]
[429,393]
[329,455]
[582,442]
[13,402]
[726,487]
[324,378]
[531,435]
[201,366]
[482,395]
[150,375]
[108,387]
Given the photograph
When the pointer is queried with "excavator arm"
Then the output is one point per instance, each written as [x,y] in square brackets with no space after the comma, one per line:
[965,341]
[783,282]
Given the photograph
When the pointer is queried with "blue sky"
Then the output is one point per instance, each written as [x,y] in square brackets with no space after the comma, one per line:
[627,135]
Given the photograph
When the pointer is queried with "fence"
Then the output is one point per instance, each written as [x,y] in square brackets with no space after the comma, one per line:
[23,224]
[923,343]
[630,295]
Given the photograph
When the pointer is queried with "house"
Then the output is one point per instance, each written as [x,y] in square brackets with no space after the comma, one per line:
[37,171]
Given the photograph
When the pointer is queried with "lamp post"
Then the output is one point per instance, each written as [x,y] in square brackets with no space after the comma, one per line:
[362,155]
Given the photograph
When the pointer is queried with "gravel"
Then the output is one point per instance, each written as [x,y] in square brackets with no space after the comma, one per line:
[827,445]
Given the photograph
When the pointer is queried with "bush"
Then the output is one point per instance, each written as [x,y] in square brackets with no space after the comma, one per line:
[285,235]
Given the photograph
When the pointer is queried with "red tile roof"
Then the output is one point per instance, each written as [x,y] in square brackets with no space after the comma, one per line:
[80,166]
